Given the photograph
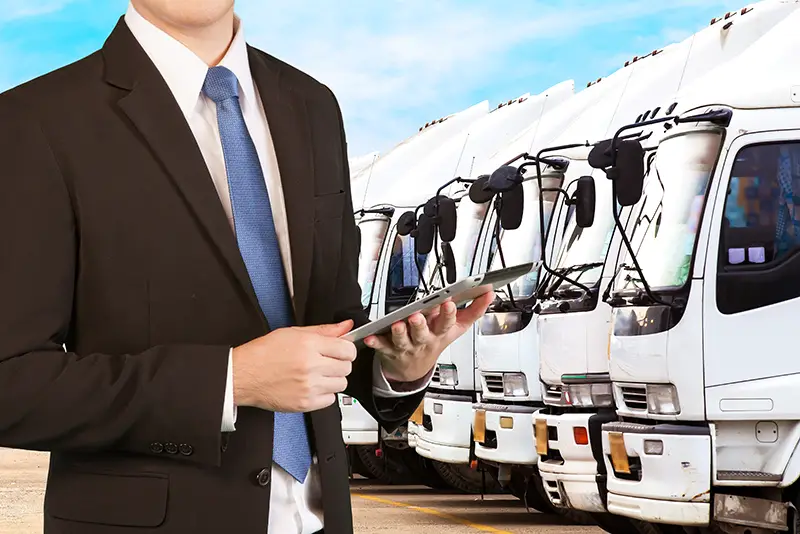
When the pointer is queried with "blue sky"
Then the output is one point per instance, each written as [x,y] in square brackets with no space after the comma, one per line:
[394,64]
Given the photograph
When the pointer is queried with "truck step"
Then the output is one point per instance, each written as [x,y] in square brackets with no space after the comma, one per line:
[749,475]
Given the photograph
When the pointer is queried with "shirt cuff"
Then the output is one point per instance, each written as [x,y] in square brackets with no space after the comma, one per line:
[381,387]
[229,408]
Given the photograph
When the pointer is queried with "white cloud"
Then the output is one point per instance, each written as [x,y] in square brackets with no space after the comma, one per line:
[406,59]
[20,9]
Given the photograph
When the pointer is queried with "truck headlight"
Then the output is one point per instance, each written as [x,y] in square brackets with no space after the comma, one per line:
[589,395]
[515,385]
[448,374]
[662,399]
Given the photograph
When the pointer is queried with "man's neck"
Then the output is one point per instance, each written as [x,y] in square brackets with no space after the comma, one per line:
[210,43]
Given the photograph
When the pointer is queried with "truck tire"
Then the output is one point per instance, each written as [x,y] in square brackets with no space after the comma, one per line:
[656,528]
[382,469]
[421,470]
[614,524]
[357,466]
[462,478]
[531,492]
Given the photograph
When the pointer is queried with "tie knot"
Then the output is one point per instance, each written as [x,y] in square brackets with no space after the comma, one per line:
[220,84]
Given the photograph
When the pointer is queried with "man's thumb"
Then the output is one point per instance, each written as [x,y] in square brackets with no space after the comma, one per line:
[333,330]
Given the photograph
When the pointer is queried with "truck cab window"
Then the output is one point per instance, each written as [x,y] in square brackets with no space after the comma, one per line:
[761,228]
[403,273]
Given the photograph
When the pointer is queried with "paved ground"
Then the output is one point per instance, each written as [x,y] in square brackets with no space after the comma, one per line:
[377,509]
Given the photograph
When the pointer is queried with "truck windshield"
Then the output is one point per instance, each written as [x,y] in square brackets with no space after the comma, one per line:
[583,250]
[523,244]
[469,221]
[664,229]
[373,233]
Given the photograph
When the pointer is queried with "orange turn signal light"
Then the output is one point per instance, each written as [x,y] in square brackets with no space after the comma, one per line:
[581,435]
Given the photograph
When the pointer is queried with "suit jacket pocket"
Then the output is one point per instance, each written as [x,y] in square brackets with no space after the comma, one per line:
[328,206]
[128,500]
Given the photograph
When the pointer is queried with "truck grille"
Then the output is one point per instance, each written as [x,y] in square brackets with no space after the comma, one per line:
[554,395]
[634,397]
[494,383]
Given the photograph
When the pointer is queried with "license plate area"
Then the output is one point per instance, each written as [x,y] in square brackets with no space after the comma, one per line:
[479,426]
[619,456]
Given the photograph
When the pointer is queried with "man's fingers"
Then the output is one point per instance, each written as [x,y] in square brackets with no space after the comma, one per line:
[475,310]
[338,349]
[379,343]
[418,329]
[446,319]
[331,384]
[330,330]
[400,337]
[330,367]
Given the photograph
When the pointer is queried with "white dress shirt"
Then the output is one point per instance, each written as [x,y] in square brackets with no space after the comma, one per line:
[294,507]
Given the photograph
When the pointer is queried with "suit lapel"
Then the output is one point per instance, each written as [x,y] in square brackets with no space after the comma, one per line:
[287,117]
[153,111]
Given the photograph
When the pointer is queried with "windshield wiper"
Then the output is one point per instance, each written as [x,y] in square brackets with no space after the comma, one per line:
[580,268]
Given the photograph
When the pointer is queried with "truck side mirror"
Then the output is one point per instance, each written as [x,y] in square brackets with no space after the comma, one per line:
[584,201]
[406,223]
[479,192]
[504,179]
[449,263]
[423,241]
[511,208]
[628,173]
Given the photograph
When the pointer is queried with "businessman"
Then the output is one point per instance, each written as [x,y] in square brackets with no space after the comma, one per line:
[178,261]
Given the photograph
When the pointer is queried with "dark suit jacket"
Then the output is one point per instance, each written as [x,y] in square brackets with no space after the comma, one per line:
[113,242]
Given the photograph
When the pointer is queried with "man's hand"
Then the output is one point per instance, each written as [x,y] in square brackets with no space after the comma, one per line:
[413,347]
[293,369]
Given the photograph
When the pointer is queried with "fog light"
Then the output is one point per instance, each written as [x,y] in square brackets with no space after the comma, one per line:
[438,408]
[581,435]
[448,374]
[653,447]
[663,399]
[515,385]
[506,422]
[347,401]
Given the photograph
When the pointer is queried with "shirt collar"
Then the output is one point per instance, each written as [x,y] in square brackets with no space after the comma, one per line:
[182,70]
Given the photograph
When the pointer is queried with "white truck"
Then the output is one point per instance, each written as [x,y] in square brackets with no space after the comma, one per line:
[506,340]
[702,332]
[367,182]
[573,323]
[409,175]
[440,430]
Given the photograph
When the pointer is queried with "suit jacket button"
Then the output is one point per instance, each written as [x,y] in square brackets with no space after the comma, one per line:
[171,448]
[263,476]
[185,449]
[156,447]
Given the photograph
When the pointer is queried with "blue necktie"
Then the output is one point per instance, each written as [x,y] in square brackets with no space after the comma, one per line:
[258,244]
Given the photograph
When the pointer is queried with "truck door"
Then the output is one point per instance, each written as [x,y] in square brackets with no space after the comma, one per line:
[752,282]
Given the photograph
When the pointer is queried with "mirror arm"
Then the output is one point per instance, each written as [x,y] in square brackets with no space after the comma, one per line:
[628,246]
[451,182]
[619,137]
[543,235]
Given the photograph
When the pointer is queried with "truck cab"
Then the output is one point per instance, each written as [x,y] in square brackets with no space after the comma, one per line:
[573,322]
[702,304]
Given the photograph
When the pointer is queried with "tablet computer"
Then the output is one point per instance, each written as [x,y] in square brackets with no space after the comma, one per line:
[460,292]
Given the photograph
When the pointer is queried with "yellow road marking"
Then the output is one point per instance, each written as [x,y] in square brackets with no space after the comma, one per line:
[431,511]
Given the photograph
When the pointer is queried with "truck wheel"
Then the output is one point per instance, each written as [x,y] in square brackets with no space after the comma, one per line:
[531,492]
[356,465]
[614,524]
[422,470]
[381,469]
[657,528]
[461,478]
